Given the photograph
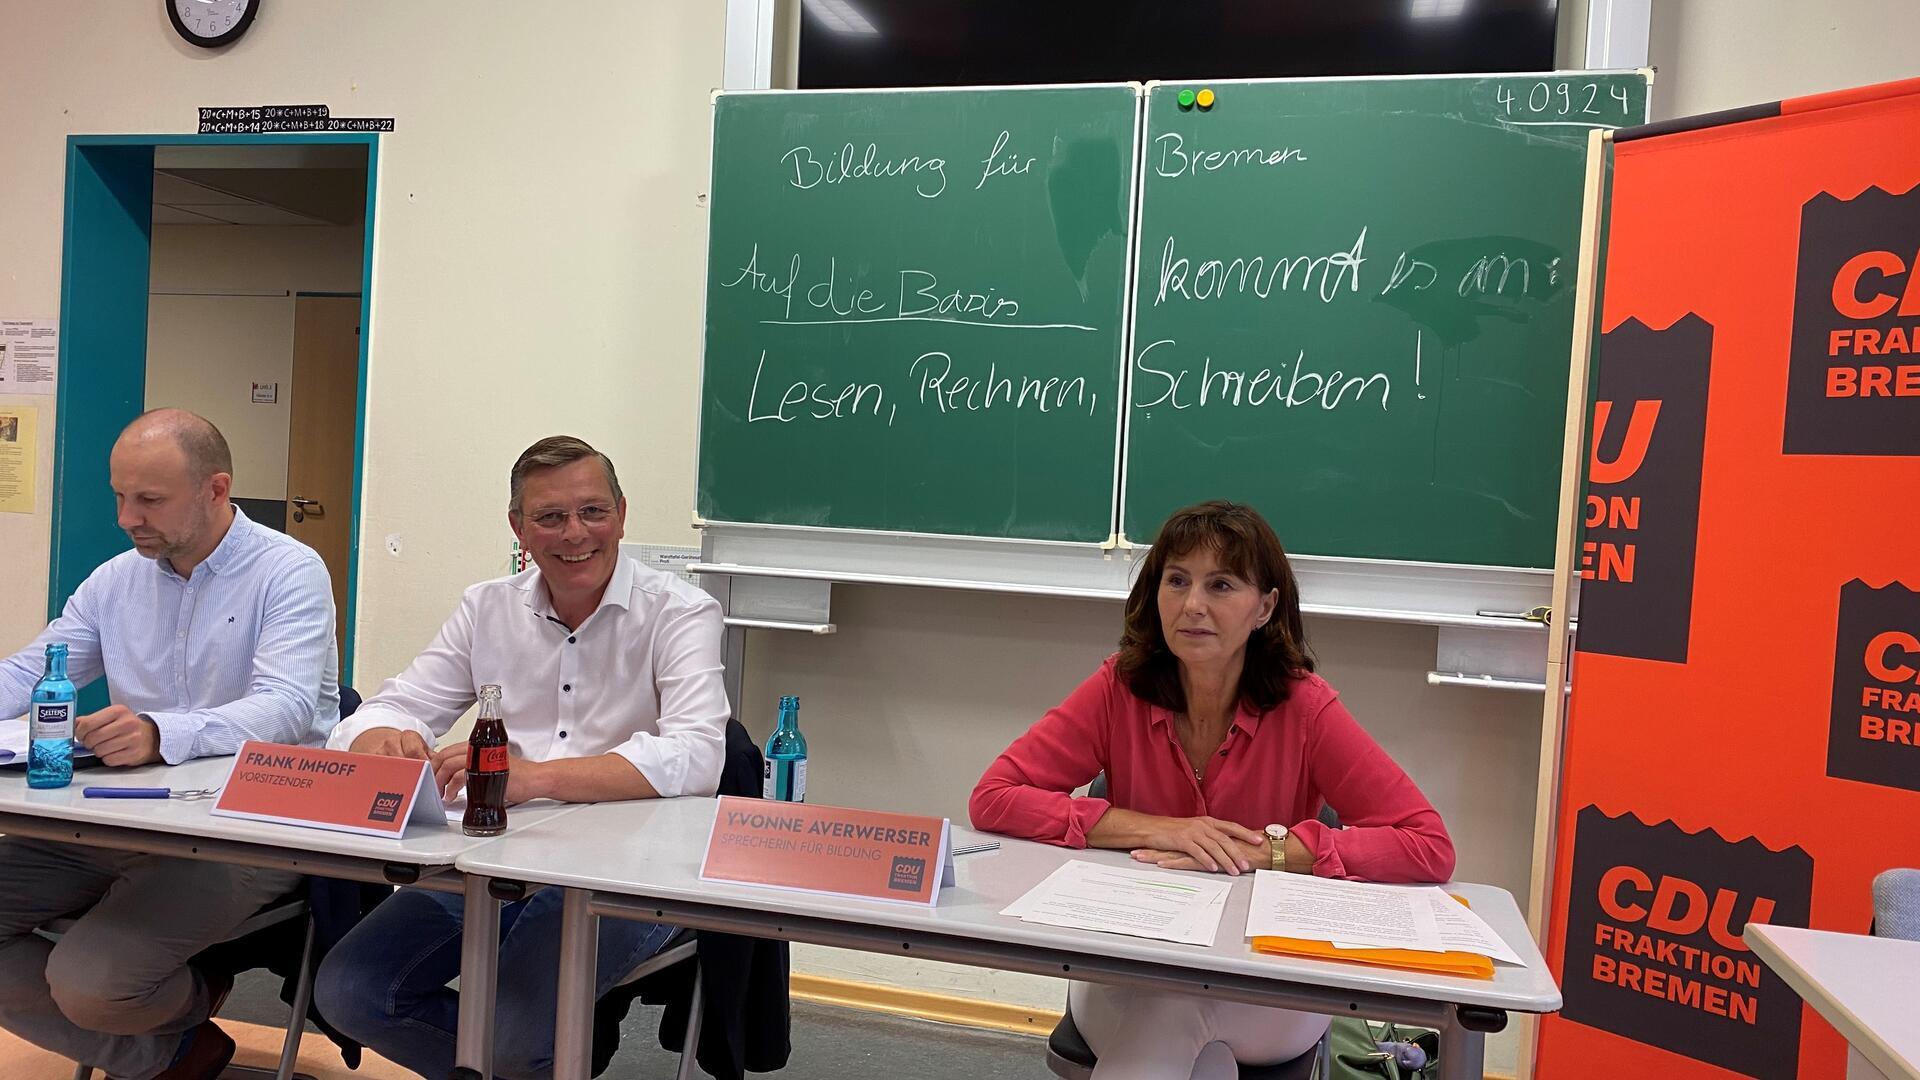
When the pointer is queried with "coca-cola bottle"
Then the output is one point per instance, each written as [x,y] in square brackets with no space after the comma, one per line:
[487,769]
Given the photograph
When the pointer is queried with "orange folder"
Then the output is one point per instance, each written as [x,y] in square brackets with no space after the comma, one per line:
[1470,965]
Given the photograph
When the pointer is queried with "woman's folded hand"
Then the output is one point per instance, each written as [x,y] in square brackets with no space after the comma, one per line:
[1205,843]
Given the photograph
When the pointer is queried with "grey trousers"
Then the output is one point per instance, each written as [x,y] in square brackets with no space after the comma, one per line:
[116,992]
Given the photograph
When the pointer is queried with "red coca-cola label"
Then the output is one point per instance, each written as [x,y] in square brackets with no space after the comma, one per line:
[489,759]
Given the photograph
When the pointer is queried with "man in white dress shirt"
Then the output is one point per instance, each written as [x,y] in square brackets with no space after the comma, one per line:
[610,680]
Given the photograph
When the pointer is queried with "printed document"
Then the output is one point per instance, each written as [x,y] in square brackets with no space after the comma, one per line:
[1165,905]
[1351,913]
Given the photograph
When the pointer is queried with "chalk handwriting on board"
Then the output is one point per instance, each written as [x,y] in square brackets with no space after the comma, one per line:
[1563,103]
[928,296]
[839,167]
[1172,159]
[948,392]
[994,164]
[1411,273]
[1326,274]
[929,381]
[827,296]
[821,400]
[1161,379]
[1480,278]
[763,281]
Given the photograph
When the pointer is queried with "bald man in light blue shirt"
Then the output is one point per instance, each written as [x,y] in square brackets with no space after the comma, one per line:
[211,632]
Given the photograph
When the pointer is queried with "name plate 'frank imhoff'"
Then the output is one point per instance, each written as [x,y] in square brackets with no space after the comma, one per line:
[330,789]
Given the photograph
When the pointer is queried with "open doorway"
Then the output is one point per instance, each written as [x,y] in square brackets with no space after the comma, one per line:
[253,321]
[227,275]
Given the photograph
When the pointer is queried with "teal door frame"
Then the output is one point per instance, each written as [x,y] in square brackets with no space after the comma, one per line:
[108,240]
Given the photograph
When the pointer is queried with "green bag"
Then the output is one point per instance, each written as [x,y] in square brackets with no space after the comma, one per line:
[1356,1054]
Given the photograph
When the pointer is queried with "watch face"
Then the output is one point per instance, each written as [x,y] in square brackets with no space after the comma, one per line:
[211,22]
[1278,832]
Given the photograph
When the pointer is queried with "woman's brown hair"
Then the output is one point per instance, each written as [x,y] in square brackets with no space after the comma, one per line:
[1246,545]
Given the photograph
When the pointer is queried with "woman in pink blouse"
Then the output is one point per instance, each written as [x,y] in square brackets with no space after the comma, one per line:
[1220,746]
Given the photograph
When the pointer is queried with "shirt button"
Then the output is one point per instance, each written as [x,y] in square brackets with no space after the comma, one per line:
[571,640]
[566,688]
[563,734]
[1223,752]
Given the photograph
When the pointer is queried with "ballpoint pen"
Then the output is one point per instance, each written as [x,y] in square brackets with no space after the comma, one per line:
[148,793]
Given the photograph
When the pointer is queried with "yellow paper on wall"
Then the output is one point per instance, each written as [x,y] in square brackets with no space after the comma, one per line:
[19,457]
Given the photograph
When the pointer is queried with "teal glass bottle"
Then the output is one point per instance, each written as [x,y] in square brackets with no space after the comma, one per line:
[50,724]
[786,769]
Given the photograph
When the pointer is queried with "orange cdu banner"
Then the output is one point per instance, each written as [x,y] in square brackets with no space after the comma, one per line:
[330,789]
[1743,739]
[829,849]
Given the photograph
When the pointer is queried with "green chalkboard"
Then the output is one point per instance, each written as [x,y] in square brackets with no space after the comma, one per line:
[1353,308]
[915,310]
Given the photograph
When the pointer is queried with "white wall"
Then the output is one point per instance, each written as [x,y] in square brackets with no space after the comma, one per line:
[540,243]
[210,336]
[1721,54]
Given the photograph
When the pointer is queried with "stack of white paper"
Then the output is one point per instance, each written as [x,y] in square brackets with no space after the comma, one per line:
[1361,915]
[13,743]
[1165,905]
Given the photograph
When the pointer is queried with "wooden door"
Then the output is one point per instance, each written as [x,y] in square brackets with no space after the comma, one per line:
[320,450]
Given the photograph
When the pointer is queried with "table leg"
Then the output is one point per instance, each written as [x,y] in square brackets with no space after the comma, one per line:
[573,1019]
[1463,1053]
[479,959]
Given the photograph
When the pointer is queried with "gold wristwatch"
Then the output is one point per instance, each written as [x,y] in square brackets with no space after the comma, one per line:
[1277,845]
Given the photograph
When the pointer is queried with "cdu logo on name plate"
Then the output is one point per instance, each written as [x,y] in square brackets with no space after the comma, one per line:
[386,806]
[908,874]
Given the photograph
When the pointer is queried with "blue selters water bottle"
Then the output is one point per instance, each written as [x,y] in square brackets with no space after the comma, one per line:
[50,724]
[786,773]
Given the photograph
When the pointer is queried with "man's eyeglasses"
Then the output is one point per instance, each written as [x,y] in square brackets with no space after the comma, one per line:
[555,520]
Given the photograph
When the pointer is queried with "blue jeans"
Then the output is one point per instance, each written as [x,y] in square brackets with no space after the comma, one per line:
[385,984]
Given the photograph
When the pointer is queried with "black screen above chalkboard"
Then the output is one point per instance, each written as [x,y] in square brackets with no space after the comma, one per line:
[875,43]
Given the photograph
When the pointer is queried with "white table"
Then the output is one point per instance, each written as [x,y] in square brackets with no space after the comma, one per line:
[187,828]
[641,860]
[1866,987]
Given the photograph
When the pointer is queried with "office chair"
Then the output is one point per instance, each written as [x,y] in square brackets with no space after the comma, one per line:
[682,948]
[1896,905]
[274,914]
[1070,1058]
